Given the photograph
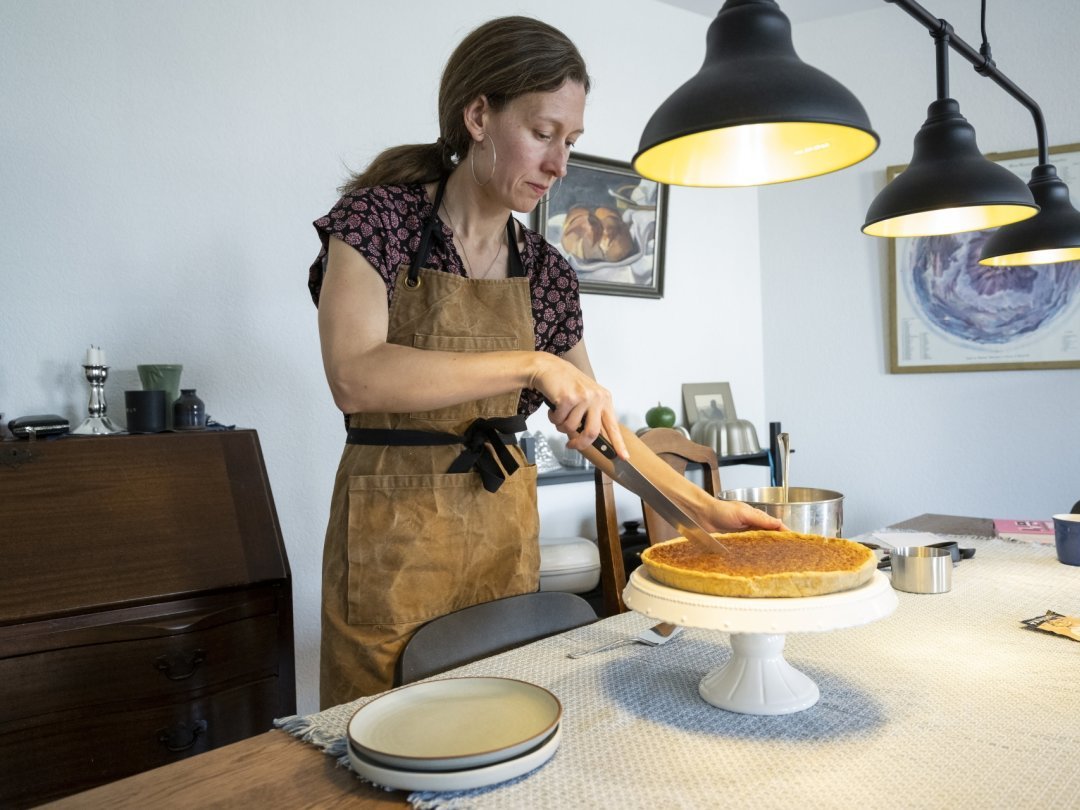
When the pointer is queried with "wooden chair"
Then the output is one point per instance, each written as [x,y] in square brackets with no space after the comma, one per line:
[489,628]
[680,453]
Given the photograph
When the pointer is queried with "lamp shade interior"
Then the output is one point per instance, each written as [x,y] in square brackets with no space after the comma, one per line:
[1030,257]
[940,221]
[755,154]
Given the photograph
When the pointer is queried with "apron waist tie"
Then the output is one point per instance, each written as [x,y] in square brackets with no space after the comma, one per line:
[498,432]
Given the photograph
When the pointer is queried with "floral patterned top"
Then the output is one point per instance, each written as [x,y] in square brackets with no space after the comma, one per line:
[384,223]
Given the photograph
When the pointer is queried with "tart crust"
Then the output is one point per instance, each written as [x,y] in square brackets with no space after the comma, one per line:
[763,564]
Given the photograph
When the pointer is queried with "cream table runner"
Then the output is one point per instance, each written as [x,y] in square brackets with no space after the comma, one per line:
[950,702]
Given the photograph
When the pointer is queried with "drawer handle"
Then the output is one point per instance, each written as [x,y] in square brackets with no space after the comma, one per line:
[181,737]
[169,668]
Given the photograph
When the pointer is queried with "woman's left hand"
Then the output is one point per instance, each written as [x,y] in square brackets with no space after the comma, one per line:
[736,516]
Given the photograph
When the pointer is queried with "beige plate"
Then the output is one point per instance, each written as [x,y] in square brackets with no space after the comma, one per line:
[454,724]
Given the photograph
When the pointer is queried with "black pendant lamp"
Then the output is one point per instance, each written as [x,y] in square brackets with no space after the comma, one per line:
[755,113]
[1051,236]
[949,187]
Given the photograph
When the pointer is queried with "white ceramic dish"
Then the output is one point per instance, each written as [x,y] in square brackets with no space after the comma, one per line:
[583,266]
[465,779]
[453,724]
[554,235]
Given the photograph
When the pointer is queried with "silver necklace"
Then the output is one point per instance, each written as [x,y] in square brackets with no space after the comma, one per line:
[465,253]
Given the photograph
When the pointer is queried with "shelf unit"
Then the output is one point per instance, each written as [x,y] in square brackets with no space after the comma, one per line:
[763,458]
[569,475]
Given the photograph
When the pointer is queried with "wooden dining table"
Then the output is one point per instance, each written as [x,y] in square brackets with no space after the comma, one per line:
[270,770]
[275,769]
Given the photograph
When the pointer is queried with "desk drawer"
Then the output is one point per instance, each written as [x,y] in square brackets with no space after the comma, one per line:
[83,749]
[167,668]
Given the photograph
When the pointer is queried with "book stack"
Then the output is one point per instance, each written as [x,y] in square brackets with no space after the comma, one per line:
[1025,531]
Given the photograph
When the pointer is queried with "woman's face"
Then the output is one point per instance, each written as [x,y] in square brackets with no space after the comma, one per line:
[533,136]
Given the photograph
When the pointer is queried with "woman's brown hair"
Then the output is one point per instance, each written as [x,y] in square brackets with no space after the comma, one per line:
[501,60]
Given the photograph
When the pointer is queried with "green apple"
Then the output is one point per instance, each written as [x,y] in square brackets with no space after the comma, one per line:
[660,416]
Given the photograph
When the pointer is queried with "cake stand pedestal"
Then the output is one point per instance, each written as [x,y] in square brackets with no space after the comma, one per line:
[757,679]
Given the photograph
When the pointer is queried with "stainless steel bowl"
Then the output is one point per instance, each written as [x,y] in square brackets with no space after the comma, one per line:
[807,510]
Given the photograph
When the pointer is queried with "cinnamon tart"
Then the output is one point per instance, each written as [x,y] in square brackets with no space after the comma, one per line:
[763,564]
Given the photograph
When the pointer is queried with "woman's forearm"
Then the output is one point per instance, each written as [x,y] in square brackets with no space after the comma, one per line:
[389,378]
[710,513]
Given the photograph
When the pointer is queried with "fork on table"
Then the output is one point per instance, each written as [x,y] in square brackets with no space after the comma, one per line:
[652,637]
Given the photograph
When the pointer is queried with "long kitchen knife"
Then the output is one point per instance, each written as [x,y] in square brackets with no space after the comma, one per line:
[632,478]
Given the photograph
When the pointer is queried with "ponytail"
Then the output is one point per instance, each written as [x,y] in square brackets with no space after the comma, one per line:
[398,165]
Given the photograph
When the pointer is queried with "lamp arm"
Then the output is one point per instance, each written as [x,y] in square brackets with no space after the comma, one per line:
[941,49]
[942,31]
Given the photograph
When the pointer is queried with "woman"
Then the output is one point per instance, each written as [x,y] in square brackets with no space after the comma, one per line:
[444,323]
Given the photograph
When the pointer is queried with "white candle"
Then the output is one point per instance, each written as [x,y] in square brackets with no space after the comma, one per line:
[94,357]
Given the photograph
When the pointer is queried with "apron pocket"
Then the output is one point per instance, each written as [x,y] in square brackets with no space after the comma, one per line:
[500,405]
[422,546]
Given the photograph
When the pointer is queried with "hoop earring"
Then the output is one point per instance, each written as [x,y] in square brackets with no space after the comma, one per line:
[472,161]
[547,197]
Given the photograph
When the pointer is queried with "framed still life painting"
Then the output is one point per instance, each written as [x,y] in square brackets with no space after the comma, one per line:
[608,222]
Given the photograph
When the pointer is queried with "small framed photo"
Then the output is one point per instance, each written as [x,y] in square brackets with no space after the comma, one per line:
[608,222]
[708,401]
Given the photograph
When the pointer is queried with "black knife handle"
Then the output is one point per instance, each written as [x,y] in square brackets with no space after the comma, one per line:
[604,446]
[600,442]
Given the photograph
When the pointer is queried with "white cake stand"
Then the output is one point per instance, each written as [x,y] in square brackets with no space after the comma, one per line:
[757,679]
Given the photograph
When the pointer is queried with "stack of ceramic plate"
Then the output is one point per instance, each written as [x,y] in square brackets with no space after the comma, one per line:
[454,734]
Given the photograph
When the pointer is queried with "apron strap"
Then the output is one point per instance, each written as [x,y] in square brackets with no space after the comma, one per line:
[499,433]
[517,267]
[425,237]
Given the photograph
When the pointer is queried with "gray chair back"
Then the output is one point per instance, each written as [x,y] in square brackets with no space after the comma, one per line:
[489,628]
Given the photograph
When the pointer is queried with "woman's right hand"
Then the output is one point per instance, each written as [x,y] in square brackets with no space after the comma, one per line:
[583,409]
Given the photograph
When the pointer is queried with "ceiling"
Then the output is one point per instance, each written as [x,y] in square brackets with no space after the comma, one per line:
[796,10]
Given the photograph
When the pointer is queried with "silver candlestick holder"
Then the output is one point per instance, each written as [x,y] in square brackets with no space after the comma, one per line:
[97,423]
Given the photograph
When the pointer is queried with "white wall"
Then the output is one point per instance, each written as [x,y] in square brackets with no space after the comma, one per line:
[161,163]
[1001,444]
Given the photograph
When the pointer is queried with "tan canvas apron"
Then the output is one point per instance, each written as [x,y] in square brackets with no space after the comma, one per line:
[407,540]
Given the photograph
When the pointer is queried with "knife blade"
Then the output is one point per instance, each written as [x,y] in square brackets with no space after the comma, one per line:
[634,480]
